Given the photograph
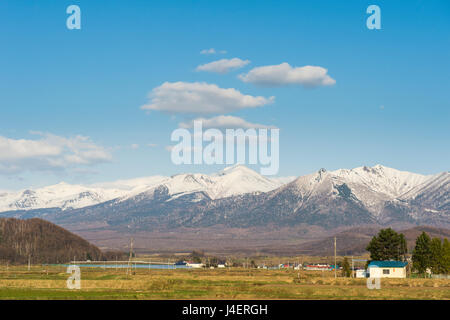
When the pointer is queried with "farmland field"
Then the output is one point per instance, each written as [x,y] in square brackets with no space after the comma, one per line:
[237,283]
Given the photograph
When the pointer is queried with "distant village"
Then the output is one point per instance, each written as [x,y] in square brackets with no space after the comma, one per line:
[389,258]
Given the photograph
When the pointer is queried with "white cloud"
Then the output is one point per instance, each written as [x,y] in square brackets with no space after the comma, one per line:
[208,51]
[152,145]
[200,98]
[284,74]
[212,51]
[224,122]
[49,152]
[134,146]
[223,65]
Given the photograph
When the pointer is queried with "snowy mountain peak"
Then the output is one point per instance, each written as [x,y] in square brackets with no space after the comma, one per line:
[321,174]
[230,181]
[371,185]
[28,192]
[62,183]
[238,168]
[382,179]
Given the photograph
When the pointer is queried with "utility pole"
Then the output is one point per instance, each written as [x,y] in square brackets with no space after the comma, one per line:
[29,262]
[335,272]
[129,259]
[353,267]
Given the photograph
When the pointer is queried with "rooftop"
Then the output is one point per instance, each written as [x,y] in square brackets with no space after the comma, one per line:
[387,264]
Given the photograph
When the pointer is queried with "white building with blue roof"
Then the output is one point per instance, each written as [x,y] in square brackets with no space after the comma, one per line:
[387,269]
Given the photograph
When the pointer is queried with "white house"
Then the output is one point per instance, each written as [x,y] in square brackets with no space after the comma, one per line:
[387,269]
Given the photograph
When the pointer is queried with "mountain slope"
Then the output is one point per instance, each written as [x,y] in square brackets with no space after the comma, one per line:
[229,182]
[433,194]
[43,242]
[391,182]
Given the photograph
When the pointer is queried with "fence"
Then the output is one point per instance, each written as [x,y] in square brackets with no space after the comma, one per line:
[440,276]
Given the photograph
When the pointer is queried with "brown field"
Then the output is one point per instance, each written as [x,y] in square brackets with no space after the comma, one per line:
[237,283]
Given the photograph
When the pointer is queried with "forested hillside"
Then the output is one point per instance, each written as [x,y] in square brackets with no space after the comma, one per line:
[42,242]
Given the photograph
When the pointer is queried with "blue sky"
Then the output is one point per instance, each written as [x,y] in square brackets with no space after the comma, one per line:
[390,103]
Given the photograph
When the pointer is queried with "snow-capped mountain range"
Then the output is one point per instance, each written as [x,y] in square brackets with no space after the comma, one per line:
[372,186]
[240,197]
[374,190]
[229,182]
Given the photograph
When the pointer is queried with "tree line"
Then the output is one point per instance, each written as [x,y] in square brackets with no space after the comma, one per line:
[432,254]
[428,254]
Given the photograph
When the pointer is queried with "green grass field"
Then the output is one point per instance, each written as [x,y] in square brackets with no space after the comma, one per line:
[96,283]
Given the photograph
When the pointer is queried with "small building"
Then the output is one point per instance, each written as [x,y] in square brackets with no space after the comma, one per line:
[195,265]
[318,267]
[361,273]
[387,269]
[332,267]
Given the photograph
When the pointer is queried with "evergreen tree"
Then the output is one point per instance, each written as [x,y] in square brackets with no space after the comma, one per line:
[436,262]
[421,256]
[446,256]
[197,259]
[197,256]
[346,270]
[403,247]
[387,245]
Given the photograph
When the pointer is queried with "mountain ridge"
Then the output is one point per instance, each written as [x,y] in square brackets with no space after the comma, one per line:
[230,181]
[240,197]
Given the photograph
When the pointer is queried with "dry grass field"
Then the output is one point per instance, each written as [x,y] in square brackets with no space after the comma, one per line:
[97,283]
